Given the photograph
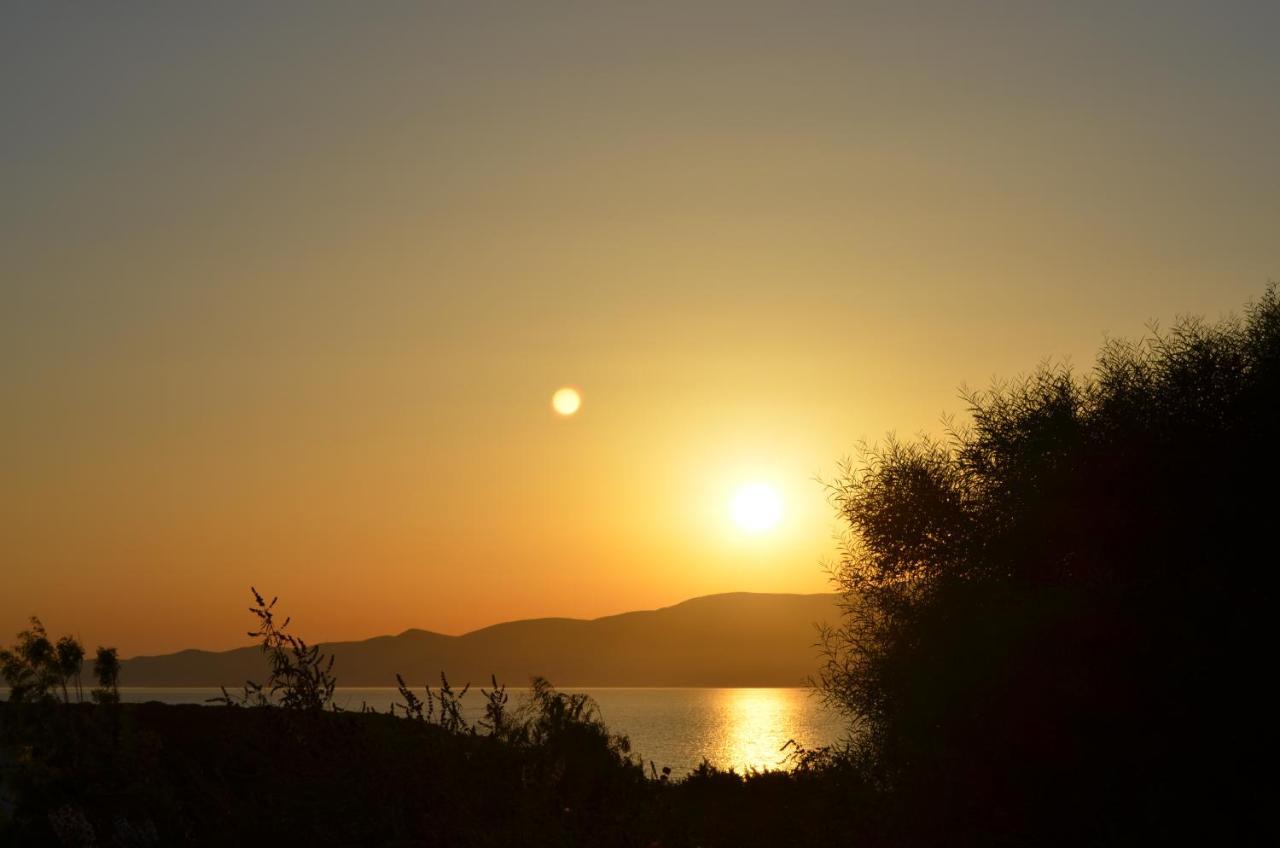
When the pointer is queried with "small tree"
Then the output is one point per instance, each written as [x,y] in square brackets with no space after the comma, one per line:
[106,667]
[36,669]
[69,655]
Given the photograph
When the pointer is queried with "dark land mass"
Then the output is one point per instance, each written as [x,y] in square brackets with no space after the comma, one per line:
[159,774]
[734,639]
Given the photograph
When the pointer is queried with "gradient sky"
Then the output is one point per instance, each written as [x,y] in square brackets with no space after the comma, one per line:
[286,289]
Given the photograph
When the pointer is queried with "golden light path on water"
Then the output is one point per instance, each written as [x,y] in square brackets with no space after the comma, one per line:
[742,729]
[756,724]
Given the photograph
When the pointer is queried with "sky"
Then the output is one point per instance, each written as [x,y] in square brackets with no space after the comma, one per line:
[286,289]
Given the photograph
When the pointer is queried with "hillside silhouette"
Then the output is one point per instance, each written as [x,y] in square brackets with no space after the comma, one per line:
[733,639]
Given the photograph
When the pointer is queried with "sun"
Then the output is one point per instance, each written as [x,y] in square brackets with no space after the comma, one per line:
[566,401]
[756,507]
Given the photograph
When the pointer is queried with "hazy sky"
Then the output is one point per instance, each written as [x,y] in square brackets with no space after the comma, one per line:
[286,290]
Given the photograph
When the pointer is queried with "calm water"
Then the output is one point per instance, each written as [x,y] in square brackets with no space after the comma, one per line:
[738,728]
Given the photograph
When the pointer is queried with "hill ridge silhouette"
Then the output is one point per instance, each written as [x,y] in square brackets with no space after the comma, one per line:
[724,639]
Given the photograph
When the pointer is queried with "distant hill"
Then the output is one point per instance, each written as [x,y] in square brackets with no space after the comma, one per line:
[735,639]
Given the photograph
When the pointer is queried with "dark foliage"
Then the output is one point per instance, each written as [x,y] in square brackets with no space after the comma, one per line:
[1055,619]
[37,669]
[287,771]
[106,667]
[301,675]
[157,774]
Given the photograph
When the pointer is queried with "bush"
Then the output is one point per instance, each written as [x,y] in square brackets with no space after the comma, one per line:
[301,675]
[1054,616]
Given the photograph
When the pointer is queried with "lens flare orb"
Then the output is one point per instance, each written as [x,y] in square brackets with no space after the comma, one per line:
[566,401]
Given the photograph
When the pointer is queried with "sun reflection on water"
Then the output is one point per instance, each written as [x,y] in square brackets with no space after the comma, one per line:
[754,726]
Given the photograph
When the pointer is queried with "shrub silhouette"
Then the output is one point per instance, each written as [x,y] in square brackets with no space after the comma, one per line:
[1052,616]
[300,677]
[450,715]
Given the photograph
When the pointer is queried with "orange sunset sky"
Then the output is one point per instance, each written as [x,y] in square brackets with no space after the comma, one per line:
[287,290]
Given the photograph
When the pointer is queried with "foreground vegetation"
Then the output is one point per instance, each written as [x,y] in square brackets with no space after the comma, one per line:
[1055,616]
[550,774]
[279,762]
[1054,624]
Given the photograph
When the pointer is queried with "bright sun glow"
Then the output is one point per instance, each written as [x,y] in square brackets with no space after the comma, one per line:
[566,401]
[756,508]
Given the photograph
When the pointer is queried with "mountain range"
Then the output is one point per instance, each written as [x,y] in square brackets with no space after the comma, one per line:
[733,639]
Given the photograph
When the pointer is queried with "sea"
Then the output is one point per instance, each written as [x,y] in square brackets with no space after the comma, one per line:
[677,728]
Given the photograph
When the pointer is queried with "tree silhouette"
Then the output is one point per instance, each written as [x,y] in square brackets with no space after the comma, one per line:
[69,657]
[36,669]
[106,667]
[1062,605]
